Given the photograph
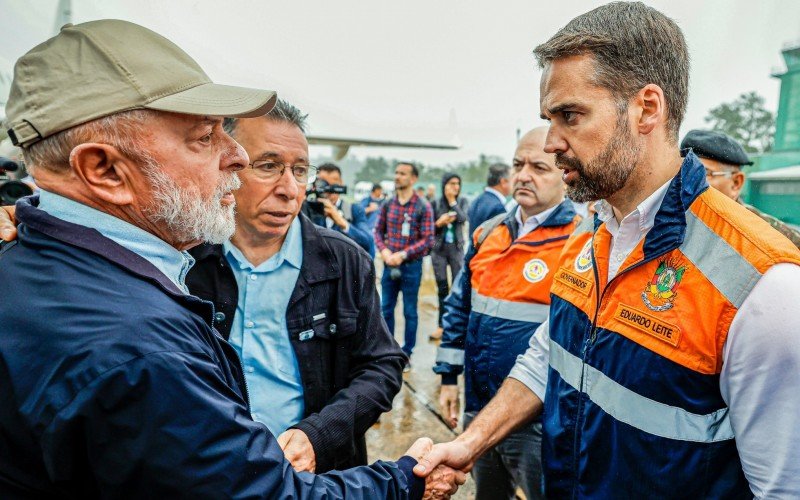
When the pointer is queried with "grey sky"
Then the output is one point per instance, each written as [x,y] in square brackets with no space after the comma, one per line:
[395,70]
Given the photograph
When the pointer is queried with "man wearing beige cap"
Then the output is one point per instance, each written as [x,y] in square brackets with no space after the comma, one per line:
[113,381]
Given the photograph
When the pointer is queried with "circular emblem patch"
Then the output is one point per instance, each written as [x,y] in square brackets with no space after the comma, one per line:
[584,261]
[535,270]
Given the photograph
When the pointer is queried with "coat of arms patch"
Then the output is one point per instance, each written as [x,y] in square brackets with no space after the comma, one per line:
[660,292]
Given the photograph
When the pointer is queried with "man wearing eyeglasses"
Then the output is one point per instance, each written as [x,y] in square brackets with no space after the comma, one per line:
[299,304]
[723,158]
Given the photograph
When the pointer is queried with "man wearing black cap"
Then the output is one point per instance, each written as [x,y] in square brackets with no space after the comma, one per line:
[723,158]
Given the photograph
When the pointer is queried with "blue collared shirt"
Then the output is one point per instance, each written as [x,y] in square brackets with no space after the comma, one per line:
[260,334]
[170,261]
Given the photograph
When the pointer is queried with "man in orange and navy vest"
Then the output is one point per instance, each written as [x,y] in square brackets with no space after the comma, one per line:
[669,365]
[495,306]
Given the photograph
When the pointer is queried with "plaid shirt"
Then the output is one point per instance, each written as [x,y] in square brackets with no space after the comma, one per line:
[388,228]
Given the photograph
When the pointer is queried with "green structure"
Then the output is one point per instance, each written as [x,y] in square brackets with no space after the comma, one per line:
[774,182]
[786,149]
[777,192]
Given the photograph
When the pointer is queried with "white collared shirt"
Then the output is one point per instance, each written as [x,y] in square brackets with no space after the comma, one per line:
[627,234]
[533,221]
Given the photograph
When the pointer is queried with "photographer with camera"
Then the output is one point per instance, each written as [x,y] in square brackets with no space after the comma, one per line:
[11,190]
[326,208]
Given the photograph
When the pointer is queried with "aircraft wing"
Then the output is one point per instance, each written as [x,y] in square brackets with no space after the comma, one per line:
[342,144]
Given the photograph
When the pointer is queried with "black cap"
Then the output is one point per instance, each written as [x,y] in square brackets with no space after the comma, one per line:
[715,146]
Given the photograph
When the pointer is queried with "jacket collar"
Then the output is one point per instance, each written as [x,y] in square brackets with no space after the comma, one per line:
[90,239]
[318,264]
[669,228]
[562,215]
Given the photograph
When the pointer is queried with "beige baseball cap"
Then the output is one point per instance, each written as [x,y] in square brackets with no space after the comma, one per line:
[99,68]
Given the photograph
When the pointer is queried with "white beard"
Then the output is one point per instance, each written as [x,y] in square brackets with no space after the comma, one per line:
[187,216]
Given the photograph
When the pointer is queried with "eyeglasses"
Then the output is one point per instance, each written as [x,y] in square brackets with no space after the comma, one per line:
[714,173]
[272,171]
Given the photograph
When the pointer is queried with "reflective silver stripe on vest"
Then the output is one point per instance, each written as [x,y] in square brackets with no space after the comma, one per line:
[636,410]
[505,309]
[725,268]
[450,356]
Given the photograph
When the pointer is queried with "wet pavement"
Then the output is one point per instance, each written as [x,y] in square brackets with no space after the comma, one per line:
[415,411]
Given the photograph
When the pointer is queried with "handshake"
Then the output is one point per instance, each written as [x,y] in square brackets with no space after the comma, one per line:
[444,466]
[441,481]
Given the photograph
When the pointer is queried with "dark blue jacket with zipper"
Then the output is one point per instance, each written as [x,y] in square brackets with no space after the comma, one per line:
[114,384]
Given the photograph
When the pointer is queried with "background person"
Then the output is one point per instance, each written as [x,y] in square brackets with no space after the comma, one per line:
[372,205]
[430,193]
[339,214]
[502,296]
[493,199]
[449,214]
[723,159]
[403,235]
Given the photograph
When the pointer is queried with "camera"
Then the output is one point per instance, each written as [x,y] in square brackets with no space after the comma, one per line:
[11,190]
[320,189]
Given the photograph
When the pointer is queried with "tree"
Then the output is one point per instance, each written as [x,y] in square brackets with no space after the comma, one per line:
[374,170]
[746,120]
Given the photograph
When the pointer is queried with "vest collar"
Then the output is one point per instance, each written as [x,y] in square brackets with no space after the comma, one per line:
[561,216]
[669,228]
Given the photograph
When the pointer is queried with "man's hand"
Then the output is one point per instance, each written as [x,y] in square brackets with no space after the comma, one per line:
[448,401]
[371,207]
[298,450]
[398,258]
[8,228]
[334,213]
[442,481]
[391,259]
[514,405]
[456,454]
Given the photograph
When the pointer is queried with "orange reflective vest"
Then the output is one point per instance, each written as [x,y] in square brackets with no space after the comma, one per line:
[633,405]
[503,295]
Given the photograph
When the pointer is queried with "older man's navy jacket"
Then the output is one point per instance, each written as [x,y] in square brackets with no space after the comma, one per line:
[114,384]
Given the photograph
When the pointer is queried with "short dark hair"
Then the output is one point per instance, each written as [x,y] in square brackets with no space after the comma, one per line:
[414,170]
[282,112]
[330,167]
[633,45]
[497,172]
[376,186]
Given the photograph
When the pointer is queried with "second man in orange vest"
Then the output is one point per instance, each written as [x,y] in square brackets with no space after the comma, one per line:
[497,302]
